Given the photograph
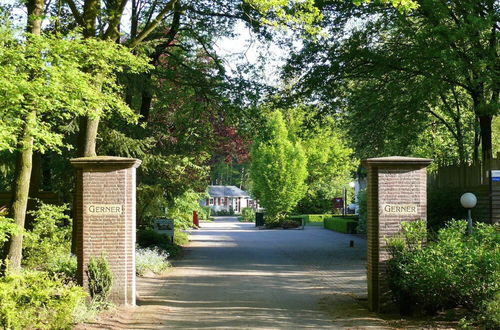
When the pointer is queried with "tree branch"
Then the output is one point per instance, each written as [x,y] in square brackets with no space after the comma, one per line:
[76,13]
[154,23]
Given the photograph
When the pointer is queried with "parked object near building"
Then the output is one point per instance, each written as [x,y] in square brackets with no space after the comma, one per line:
[228,199]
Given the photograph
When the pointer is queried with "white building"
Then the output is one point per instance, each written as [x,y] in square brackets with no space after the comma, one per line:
[226,198]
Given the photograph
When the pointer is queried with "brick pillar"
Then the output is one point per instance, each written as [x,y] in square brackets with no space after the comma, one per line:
[397,191]
[105,220]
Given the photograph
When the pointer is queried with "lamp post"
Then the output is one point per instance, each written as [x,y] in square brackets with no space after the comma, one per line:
[468,201]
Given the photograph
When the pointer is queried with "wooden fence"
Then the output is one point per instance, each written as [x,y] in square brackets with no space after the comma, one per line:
[475,178]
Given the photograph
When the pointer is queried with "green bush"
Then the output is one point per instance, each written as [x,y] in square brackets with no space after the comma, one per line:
[346,225]
[180,238]
[247,214]
[291,223]
[150,259]
[36,300]
[315,217]
[454,269]
[309,218]
[148,238]
[363,212]
[225,213]
[7,227]
[205,213]
[47,245]
[100,278]
[314,203]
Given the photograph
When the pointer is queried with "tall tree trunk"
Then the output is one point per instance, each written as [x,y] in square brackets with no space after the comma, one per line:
[21,193]
[34,187]
[486,142]
[24,163]
[146,99]
[92,126]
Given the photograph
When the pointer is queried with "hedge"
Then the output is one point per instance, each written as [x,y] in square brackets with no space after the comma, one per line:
[311,217]
[346,225]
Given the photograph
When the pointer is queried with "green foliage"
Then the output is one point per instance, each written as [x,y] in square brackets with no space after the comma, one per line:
[100,279]
[181,238]
[247,214]
[35,300]
[47,246]
[495,134]
[150,260]
[343,225]
[182,207]
[427,103]
[455,269]
[306,15]
[205,213]
[330,161]
[290,223]
[149,238]
[363,212]
[314,202]
[315,217]
[229,212]
[151,203]
[74,77]
[7,228]
[278,169]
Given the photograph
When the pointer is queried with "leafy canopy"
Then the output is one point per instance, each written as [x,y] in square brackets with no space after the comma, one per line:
[59,78]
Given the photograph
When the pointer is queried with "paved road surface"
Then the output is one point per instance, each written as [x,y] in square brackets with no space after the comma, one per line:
[234,276]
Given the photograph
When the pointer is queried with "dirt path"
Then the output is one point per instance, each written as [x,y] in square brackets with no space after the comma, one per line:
[234,276]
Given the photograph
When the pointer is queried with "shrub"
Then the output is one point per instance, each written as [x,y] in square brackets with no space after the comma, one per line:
[315,217]
[182,207]
[150,259]
[247,214]
[148,238]
[47,245]
[226,213]
[7,227]
[100,278]
[205,213]
[180,238]
[64,267]
[36,300]
[345,225]
[455,269]
[314,203]
[290,223]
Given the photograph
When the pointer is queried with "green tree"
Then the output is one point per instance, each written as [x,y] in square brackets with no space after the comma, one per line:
[41,75]
[279,167]
[401,77]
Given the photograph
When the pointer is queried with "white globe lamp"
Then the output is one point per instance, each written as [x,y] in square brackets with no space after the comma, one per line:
[469,201]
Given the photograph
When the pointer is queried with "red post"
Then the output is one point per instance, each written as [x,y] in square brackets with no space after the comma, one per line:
[196,223]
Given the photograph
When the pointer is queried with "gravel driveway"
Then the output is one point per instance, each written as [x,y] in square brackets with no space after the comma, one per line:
[234,276]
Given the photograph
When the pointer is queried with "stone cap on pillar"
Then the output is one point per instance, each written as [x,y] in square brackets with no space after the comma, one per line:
[396,160]
[105,162]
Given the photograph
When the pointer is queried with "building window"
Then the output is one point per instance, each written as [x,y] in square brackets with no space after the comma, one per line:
[211,201]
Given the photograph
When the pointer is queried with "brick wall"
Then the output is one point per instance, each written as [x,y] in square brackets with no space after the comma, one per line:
[107,181]
[396,181]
